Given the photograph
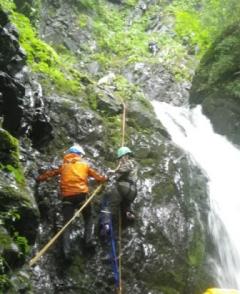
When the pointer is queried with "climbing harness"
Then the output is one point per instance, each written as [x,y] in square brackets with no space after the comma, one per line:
[46,247]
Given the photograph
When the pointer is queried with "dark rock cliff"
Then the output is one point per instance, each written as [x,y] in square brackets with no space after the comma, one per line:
[164,251]
[216,84]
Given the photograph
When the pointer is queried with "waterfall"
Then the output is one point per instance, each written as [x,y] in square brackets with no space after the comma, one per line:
[220,161]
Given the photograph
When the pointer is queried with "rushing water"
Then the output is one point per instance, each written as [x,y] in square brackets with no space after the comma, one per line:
[220,160]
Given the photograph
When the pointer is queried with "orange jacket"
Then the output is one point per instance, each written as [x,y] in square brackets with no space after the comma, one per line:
[74,173]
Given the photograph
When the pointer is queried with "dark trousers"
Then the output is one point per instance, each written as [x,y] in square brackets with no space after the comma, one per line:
[69,205]
[121,196]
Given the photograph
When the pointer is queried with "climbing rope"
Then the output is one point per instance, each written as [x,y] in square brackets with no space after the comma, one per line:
[123,123]
[119,291]
[114,256]
[120,252]
[46,247]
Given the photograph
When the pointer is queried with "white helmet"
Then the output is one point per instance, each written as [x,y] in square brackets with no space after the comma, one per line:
[77,149]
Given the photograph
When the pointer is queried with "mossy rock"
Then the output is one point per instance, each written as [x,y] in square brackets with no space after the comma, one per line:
[12,197]
[9,150]
[216,84]
[13,192]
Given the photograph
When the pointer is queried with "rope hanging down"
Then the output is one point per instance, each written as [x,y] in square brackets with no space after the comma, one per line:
[46,247]
[119,290]
[123,123]
[120,253]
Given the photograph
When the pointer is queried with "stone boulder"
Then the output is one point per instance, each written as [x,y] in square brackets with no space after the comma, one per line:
[216,84]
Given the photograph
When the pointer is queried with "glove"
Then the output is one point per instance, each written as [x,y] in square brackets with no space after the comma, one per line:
[111,172]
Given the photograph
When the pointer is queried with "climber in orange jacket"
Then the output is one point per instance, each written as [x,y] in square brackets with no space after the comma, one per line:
[74,173]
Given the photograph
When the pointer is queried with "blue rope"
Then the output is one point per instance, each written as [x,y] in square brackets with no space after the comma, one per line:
[114,256]
[112,244]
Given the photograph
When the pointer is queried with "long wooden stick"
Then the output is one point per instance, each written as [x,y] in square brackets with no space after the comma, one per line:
[46,247]
[123,123]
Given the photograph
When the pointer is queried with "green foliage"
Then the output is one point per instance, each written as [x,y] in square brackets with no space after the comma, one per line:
[9,158]
[125,90]
[9,216]
[42,58]
[118,42]
[22,244]
[233,87]
[5,283]
[197,249]
[17,173]
[198,22]
[92,97]
[191,30]
[113,135]
[7,4]
[86,4]
[131,2]
[82,20]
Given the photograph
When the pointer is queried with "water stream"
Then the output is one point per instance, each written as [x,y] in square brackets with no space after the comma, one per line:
[220,161]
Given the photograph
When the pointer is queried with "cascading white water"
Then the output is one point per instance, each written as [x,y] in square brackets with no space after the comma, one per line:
[220,161]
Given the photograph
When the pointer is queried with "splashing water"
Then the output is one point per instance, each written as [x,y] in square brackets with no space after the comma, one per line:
[220,161]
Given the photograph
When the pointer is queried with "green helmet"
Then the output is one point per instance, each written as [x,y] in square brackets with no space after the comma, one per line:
[123,151]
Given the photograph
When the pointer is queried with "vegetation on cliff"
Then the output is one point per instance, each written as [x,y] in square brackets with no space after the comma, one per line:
[122,39]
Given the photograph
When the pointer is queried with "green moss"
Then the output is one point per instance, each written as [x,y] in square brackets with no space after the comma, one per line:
[57,70]
[218,73]
[125,90]
[9,149]
[5,241]
[86,4]
[22,244]
[5,283]
[164,191]
[197,249]
[189,27]
[233,88]
[92,97]
[10,195]
[44,59]
[131,2]
[82,20]
[7,4]
[113,131]
[9,156]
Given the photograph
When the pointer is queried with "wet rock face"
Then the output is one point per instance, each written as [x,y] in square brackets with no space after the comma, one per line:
[157,83]
[58,26]
[163,249]
[21,101]
[11,103]
[12,57]
[19,216]
[215,85]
